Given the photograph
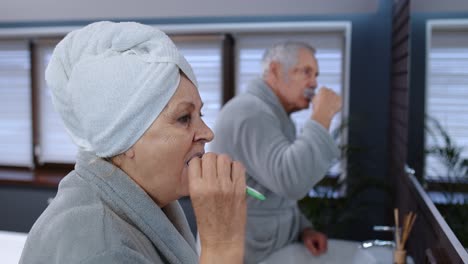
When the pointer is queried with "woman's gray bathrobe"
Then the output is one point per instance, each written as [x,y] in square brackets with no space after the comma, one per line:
[101,216]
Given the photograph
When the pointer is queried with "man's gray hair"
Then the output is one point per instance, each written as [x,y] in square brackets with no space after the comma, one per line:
[285,53]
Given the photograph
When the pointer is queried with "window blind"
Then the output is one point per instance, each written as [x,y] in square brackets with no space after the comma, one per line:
[447,95]
[204,55]
[55,145]
[15,104]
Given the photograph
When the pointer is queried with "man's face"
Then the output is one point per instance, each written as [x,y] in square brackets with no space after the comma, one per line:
[298,78]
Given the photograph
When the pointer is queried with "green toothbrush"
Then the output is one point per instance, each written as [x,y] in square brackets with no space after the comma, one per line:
[255,194]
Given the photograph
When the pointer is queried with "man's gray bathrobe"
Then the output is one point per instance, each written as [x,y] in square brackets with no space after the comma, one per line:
[255,129]
[101,216]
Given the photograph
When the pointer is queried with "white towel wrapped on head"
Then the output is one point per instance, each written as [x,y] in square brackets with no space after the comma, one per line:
[110,81]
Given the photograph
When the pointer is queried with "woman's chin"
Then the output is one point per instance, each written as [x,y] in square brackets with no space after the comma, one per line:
[184,183]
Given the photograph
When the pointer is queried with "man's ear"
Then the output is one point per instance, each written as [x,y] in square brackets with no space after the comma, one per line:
[275,70]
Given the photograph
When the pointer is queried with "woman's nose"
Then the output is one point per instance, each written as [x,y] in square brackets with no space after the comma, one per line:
[204,133]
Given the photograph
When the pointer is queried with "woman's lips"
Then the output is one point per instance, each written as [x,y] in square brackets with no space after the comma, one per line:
[198,154]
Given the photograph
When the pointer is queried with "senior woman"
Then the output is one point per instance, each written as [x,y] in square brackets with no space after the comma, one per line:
[129,100]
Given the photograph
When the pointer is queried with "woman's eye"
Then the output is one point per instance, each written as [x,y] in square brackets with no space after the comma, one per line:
[184,119]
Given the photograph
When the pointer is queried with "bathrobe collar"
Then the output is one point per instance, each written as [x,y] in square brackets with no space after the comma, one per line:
[167,228]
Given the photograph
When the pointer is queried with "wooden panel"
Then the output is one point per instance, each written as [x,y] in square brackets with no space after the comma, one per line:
[400,96]
[399,37]
[228,69]
[431,231]
[401,66]
[401,16]
[400,81]
[400,52]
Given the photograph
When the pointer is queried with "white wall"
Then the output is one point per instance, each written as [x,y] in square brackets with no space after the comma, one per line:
[439,5]
[59,10]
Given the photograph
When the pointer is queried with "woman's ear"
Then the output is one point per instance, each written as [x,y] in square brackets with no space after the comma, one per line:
[119,159]
[116,160]
[130,153]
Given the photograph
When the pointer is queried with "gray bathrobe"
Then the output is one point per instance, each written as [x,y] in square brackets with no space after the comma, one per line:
[101,216]
[255,129]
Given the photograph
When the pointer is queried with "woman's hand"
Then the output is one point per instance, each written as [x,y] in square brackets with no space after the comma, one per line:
[217,190]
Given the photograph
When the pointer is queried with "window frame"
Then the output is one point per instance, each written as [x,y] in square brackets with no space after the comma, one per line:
[49,174]
[439,184]
[431,26]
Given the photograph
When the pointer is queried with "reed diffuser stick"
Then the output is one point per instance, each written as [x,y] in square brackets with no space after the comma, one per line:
[397,229]
[409,222]
[404,228]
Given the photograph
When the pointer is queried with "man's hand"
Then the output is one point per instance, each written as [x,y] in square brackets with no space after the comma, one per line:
[314,241]
[325,105]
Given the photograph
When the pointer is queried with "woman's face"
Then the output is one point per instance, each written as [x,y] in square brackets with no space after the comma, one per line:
[161,155]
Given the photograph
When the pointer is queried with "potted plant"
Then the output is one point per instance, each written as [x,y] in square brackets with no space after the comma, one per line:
[446,178]
[335,207]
